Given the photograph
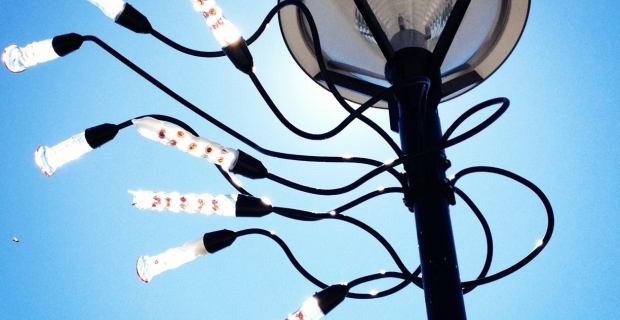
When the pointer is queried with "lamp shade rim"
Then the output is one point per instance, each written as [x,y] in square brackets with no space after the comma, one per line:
[357,84]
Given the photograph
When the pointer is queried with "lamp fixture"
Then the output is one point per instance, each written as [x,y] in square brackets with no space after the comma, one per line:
[487,35]
[428,51]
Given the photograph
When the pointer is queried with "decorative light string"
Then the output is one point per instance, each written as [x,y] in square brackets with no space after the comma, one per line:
[49,159]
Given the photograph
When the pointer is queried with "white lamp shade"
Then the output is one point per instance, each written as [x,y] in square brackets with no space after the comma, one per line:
[487,35]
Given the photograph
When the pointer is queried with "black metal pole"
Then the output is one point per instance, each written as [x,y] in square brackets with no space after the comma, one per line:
[420,130]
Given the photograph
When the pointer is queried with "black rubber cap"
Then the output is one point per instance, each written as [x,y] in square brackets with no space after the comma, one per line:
[67,43]
[331,296]
[218,240]
[249,167]
[99,135]
[133,20]
[247,206]
[240,55]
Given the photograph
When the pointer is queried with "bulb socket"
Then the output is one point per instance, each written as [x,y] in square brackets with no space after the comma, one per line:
[133,20]
[239,54]
[67,43]
[247,206]
[249,167]
[99,135]
[218,240]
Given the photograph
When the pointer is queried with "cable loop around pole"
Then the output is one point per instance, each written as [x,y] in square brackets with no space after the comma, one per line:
[541,245]
[477,129]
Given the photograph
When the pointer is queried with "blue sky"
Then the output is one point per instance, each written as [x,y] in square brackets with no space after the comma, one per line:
[80,236]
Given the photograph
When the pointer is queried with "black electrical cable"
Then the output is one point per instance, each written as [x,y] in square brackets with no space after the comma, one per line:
[317,282]
[367,197]
[483,125]
[539,247]
[287,251]
[227,129]
[192,52]
[160,117]
[293,213]
[308,216]
[442,145]
[330,84]
[321,136]
[312,190]
[322,66]
[487,233]
[228,178]
[377,276]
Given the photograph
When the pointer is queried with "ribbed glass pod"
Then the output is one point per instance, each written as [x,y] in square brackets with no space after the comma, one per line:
[409,23]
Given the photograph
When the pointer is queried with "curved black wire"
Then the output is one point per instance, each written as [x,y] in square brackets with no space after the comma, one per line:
[191,52]
[287,251]
[322,67]
[311,190]
[377,276]
[227,129]
[317,282]
[442,145]
[321,136]
[545,239]
[160,117]
[330,84]
[228,178]
[295,213]
[483,125]
[308,216]
[487,233]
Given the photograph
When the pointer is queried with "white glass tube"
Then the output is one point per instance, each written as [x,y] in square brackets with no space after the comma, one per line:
[111,8]
[204,6]
[199,147]
[207,204]
[48,159]
[17,59]
[309,310]
[224,31]
[148,267]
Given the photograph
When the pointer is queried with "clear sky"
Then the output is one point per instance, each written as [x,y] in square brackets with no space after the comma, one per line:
[80,236]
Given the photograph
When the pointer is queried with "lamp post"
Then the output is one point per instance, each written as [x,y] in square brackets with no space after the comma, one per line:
[413,39]
[413,59]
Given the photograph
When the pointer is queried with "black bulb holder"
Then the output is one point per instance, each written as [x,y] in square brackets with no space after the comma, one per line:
[239,54]
[331,297]
[218,240]
[248,206]
[101,134]
[133,20]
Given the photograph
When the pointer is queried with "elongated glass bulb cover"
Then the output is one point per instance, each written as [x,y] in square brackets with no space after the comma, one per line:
[48,159]
[309,310]
[223,205]
[204,6]
[17,59]
[111,8]
[148,267]
[224,31]
[199,147]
